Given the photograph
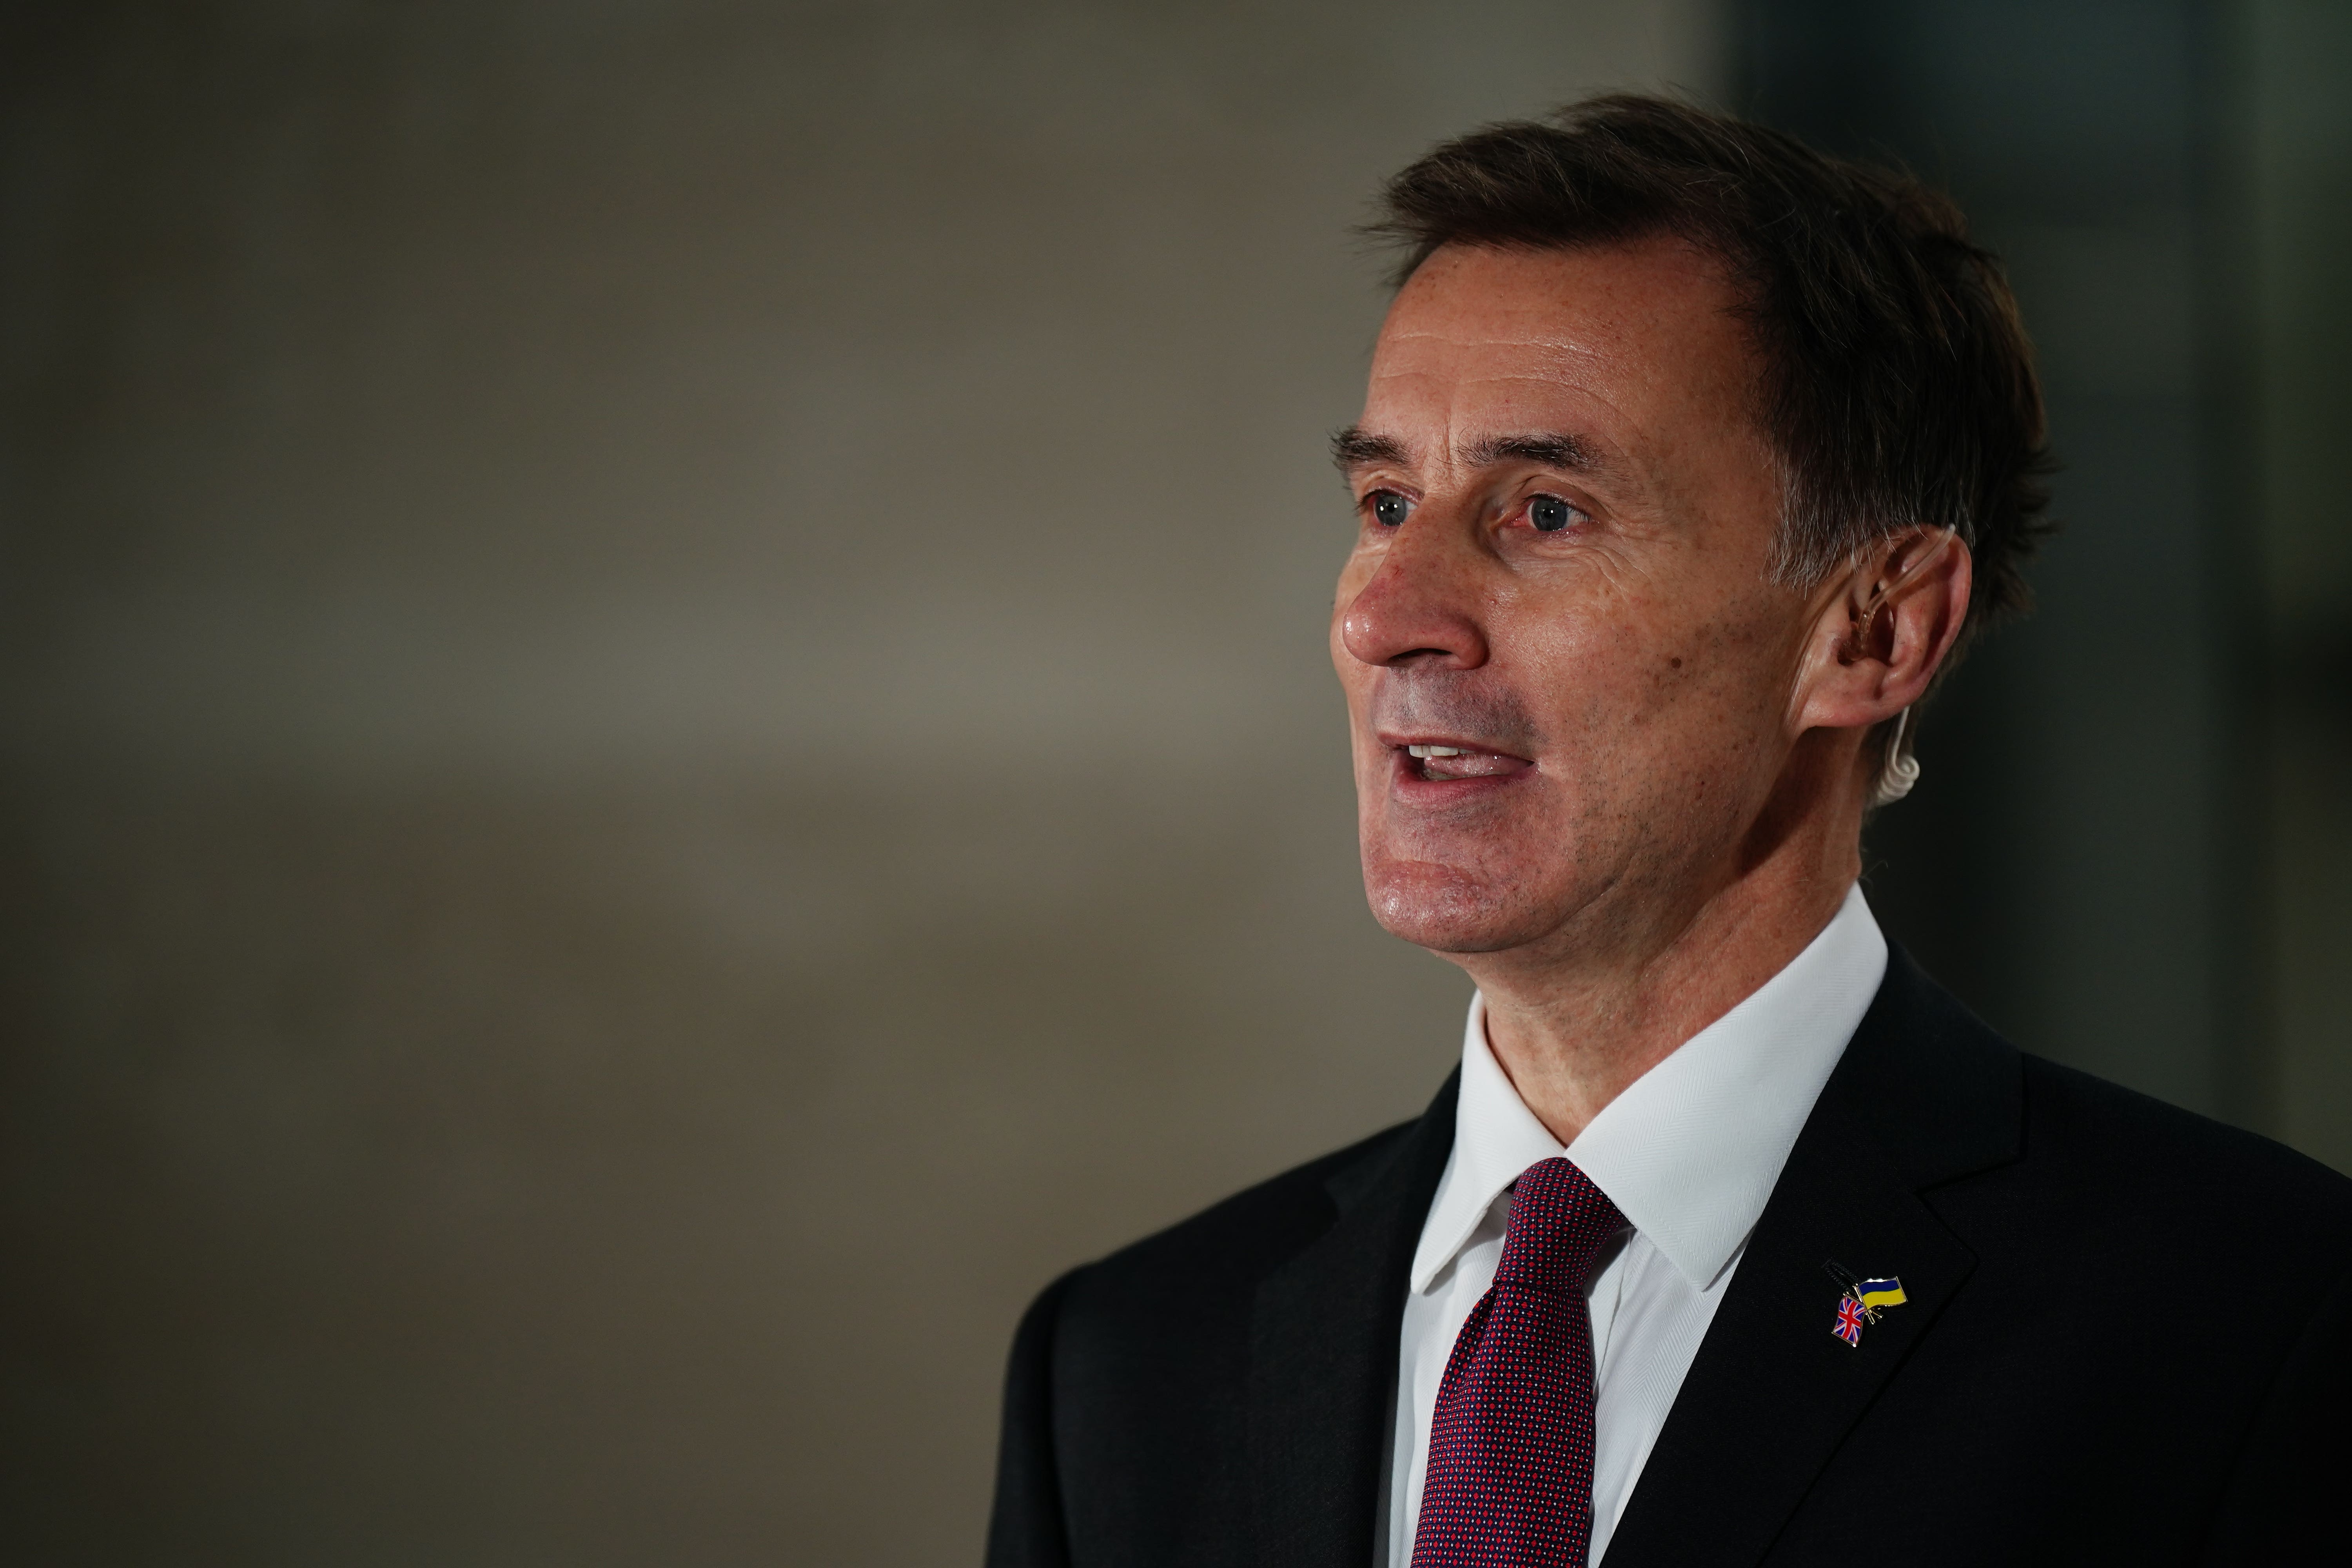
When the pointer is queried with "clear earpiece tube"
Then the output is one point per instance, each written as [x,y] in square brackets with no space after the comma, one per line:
[1900,771]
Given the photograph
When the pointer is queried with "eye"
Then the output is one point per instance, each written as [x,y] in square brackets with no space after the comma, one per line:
[1550,514]
[1389,509]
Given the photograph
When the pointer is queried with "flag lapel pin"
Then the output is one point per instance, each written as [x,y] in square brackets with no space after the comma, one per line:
[1861,1301]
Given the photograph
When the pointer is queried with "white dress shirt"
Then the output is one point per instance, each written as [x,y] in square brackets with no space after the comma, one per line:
[1688,1154]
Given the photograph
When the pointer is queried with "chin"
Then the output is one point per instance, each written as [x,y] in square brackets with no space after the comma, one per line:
[1448,910]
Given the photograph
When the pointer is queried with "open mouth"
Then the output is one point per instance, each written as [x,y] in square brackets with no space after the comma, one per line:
[1438,762]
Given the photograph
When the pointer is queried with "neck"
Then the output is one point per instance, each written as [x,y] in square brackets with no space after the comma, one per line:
[1577,1019]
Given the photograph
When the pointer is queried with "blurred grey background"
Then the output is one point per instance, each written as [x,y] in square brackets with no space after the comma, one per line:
[664,731]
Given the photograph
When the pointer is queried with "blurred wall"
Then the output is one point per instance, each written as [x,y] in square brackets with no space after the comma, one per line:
[2132,846]
[2296,61]
[666,733]
[2059,863]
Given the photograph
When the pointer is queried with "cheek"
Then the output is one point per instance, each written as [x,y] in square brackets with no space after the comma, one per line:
[1709,729]
[1648,693]
[1599,672]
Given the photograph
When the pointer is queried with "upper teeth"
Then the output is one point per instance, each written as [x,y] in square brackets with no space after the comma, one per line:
[1434,751]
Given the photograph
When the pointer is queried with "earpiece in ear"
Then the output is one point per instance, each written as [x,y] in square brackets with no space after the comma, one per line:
[1857,645]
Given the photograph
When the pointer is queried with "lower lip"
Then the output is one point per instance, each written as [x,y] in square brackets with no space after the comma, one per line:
[1405,780]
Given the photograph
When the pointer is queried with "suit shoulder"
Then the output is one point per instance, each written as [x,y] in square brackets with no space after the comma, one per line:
[2158,1156]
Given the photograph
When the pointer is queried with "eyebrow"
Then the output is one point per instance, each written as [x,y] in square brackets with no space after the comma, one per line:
[1355,448]
[1553,451]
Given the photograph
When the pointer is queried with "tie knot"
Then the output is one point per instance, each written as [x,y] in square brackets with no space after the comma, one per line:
[1559,1222]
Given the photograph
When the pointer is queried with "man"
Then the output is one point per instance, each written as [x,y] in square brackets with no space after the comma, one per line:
[1689,461]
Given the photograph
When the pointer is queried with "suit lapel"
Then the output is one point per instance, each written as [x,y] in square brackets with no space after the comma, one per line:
[1323,1356]
[1923,1094]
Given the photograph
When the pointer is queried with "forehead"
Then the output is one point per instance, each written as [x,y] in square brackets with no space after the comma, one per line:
[1630,342]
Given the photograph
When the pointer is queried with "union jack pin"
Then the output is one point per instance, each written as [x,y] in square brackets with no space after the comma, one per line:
[1861,1301]
[1849,1320]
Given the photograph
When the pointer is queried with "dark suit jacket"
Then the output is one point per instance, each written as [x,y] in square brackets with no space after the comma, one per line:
[2128,1340]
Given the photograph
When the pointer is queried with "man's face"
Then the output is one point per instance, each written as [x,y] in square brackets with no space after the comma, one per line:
[1565,511]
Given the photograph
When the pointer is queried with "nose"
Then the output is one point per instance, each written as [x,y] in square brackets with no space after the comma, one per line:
[1418,607]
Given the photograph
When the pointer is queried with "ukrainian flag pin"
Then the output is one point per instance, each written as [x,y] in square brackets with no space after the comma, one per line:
[1862,1302]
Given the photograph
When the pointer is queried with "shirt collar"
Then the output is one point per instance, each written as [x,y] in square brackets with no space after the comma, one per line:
[1689,1151]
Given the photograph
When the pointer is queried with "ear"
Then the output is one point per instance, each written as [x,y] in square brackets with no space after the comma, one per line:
[1881,631]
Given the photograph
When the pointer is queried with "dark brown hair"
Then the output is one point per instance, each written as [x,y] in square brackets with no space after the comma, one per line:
[1899,385]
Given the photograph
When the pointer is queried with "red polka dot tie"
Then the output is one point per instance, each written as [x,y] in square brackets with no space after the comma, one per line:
[1510,1444]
